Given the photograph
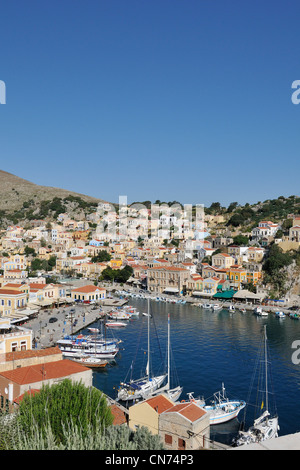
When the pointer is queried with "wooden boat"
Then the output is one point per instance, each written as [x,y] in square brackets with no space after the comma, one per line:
[91,361]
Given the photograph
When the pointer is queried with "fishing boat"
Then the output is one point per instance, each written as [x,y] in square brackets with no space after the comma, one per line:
[280,314]
[143,387]
[231,308]
[266,425]
[294,315]
[222,409]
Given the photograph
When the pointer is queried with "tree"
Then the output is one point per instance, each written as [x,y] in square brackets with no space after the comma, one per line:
[118,438]
[63,404]
[241,240]
[29,251]
[101,257]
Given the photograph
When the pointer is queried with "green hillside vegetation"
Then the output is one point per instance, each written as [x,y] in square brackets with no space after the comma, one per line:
[249,216]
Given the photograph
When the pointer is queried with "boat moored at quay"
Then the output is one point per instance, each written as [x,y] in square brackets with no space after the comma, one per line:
[214,342]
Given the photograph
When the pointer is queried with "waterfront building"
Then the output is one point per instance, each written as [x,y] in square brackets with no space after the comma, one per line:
[88,293]
[16,382]
[185,427]
[167,279]
[237,275]
[146,413]
[11,299]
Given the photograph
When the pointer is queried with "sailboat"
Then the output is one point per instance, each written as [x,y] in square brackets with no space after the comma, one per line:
[143,387]
[266,425]
[173,393]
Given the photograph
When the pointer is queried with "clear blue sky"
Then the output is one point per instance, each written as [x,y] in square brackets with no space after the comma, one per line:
[153,99]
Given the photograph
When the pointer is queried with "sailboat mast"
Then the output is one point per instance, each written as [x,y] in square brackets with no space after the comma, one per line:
[148,363]
[266,369]
[168,384]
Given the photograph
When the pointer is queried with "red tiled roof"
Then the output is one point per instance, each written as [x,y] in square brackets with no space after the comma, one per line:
[4,291]
[39,372]
[32,392]
[159,403]
[190,411]
[16,355]
[86,289]
[118,414]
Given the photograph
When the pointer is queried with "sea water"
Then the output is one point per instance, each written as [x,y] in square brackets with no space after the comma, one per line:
[207,349]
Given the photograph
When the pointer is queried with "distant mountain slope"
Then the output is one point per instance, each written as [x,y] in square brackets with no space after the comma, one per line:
[14,191]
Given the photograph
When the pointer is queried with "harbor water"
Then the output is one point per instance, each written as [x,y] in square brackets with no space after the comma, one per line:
[210,348]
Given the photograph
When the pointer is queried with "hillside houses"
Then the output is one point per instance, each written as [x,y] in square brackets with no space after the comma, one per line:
[205,260]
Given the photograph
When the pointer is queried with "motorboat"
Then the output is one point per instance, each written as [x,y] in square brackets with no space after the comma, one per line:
[260,312]
[216,307]
[115,324]
[207,306]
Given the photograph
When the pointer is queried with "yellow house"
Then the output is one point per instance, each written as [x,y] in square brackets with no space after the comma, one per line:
[115,263]
[17,261]
[222,260]
[255,254]
[146,413]
[88,293]
[10,300]
[253,277]
[15,340]
[237,276]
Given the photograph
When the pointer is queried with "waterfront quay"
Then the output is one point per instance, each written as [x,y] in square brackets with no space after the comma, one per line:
[52,324]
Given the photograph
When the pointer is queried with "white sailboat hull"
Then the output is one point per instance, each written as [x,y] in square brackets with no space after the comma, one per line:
[141,388]
[263,429]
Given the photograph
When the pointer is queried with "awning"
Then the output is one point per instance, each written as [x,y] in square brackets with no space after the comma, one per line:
[202,294]
[245,294]
[171,289]
[227,294]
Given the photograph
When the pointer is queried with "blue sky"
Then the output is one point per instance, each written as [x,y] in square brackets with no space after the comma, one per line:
[153,99]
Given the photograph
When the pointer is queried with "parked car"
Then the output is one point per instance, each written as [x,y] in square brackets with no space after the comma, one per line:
[52,320]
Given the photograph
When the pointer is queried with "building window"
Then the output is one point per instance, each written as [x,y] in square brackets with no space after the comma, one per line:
[23,345]
[168,439]
[14,347]
[181,444]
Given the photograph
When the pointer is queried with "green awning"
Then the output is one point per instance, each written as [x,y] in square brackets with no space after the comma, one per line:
[227,294]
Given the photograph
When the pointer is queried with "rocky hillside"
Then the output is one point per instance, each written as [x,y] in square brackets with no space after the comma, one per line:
[15,191]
